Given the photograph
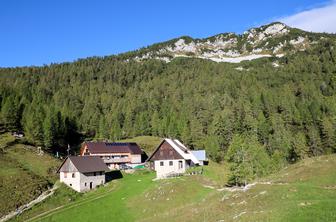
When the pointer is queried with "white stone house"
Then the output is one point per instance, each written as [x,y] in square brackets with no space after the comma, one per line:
[83,173]
[171,158]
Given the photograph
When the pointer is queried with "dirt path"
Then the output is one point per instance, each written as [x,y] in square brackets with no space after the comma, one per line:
[25,207]
[68,206]
[248,186]
[245,188]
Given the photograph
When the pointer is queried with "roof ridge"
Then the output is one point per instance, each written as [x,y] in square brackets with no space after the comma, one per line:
[111,147]
[185,152]
[85,164]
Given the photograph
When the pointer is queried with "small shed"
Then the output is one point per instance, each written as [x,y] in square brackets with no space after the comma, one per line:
[201,156]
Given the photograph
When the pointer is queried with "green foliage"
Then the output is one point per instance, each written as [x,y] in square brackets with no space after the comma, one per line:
[281,138]
[248,159]
[10,113]
[213,148]
[290,109]
[327,132]
[50,129]
[33,120]
[222,128]
[103,128]
[299,150]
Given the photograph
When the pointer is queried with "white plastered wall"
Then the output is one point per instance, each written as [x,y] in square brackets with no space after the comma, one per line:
[166,169]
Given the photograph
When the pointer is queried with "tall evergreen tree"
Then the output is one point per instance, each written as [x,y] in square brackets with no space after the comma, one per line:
[33,124]
[327,132]
[248,159]
[104,130]
[10,113]
[49,129]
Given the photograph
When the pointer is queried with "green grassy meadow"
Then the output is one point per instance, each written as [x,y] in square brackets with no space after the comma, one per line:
[305,191]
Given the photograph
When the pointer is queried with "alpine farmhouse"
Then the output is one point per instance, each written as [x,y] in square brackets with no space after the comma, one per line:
[83,173]
[114,154]
[171,158]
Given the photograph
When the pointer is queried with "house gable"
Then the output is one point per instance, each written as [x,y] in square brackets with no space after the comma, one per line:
[83,164]
[165,152]
[68,166]
[84,150]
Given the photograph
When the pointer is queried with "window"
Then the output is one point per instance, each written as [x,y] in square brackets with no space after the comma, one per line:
[161,153]
[84,184]
[73,175]
[65,175]
[70,184]
[170,163]
[101,173]
[180,164]
[170,152]
[86,152]
[94,174]
[161,163]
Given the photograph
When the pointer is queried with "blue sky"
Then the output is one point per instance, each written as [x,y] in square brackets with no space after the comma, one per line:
[42,32]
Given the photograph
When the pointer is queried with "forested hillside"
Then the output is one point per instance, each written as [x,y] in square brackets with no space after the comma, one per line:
[277,110]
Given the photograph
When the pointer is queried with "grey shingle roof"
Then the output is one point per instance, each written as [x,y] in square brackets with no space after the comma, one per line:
[85,164]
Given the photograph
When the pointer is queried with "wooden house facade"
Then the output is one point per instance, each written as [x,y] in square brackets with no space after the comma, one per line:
[171,158]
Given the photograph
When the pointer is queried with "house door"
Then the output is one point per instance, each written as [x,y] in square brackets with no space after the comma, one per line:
[90,185]
[180,164]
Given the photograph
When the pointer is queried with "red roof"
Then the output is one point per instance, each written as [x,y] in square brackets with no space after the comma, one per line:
[106,147]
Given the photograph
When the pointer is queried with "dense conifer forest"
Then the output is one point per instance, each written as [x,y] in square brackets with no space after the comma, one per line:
[258,117]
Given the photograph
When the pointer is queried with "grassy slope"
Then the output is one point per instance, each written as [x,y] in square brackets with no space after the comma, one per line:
[115,202]
[127,199]
[84,207]
[147,143]
[303,192]
[23,173]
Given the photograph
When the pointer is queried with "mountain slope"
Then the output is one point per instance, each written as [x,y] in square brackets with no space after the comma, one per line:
[287,103]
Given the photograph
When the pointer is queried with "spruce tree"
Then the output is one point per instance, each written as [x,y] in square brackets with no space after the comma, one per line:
[10,113]
[49,130]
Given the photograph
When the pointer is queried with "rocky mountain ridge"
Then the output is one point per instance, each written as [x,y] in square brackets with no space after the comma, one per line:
[273,40]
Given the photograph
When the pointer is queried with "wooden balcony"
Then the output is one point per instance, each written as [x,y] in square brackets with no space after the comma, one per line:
[117,160]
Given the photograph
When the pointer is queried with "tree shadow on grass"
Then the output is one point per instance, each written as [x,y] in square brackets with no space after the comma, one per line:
[113,175]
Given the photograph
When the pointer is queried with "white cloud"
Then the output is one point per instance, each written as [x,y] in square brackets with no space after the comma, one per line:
[322,19]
